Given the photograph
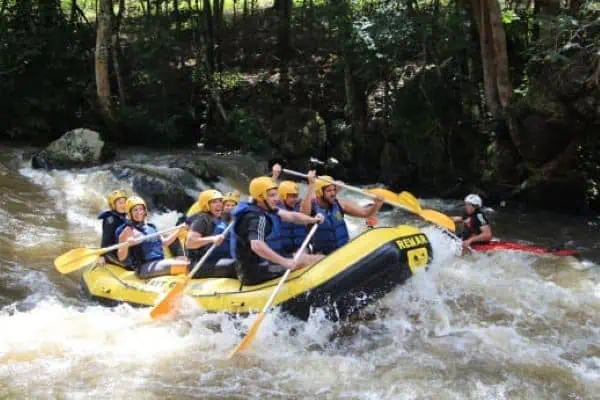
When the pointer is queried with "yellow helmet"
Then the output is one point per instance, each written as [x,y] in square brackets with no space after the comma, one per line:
[134,201]
[206,197]
[114,196]
[234,196]
[320,184]
[260,186]
[286,188]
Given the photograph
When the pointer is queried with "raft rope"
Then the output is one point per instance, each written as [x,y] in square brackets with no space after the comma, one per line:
[111,273]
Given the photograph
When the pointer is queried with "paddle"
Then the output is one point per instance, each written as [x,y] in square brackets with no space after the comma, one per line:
[392,199]
[75,259]
[256,324]
[409,200]
[170,301]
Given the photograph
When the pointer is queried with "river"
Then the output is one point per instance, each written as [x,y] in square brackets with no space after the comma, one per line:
[501,326]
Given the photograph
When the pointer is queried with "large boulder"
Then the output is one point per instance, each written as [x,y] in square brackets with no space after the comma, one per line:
[232,166]
[162,188]
[198,166]
[78,148]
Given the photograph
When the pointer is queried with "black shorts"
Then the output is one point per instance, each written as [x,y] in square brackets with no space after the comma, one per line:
[152,269]
[261,272]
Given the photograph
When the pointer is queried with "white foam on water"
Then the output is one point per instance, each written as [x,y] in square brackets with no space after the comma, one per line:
[500,325]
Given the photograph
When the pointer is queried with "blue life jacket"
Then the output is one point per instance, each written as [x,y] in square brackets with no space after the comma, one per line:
[292,235]
[273,240]
[333,232]
[112,213]
[111,220]
[148,250]
[223,250]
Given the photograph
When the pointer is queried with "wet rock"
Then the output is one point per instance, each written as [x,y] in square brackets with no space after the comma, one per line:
[236,167]
[197,166]
[78,148]
[162,188]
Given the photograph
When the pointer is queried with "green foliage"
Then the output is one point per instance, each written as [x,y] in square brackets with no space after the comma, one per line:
[416,66]
[509,16]
[246,130]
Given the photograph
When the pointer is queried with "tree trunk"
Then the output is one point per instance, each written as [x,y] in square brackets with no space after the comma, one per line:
[73,14]
[103,38]
[356,101]
[492,41]
[177,18]
[210,36]
[576,5]
[284,44]
[218,21]
[143,7]
[547,8]
[116,57]
[117,54]
[497,85]
[48,11]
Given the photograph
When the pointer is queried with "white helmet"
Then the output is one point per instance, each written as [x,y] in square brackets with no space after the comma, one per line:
[474,200]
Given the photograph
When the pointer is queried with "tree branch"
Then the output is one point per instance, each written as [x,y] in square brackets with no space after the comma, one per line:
[119,16]
[82,14]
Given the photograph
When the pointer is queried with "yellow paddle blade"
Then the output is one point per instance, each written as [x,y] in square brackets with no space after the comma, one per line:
[386,194]
[409,201]
[249,336]
[171,300]
[194,209]
[76,259]
[439,219]
[182,235]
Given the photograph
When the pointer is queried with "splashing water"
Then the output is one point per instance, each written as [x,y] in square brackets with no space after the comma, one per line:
[483,326]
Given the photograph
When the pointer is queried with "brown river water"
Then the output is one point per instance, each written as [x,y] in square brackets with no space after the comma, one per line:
[506,325]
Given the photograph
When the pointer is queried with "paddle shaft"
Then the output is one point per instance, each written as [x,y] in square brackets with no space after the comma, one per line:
[207,254]
[143,238]
[349,187]
[284,277]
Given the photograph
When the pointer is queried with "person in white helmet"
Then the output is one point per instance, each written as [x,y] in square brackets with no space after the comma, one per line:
[477,227]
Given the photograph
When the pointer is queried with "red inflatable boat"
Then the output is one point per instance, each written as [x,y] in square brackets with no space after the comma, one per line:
[500,245]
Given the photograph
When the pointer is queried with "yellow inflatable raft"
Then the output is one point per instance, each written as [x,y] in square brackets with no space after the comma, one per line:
[348,279]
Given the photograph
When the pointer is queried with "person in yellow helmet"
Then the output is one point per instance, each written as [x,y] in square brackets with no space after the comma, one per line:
[112,218]
[292,234]
[206,228]
[146,258]
[333,233]
[230,201]
[256,240]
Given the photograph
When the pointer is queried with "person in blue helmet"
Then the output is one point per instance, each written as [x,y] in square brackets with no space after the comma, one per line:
[146,258]
[112,218]
[256,240]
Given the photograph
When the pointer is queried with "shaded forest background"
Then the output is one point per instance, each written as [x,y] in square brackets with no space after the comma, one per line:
[442,97]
